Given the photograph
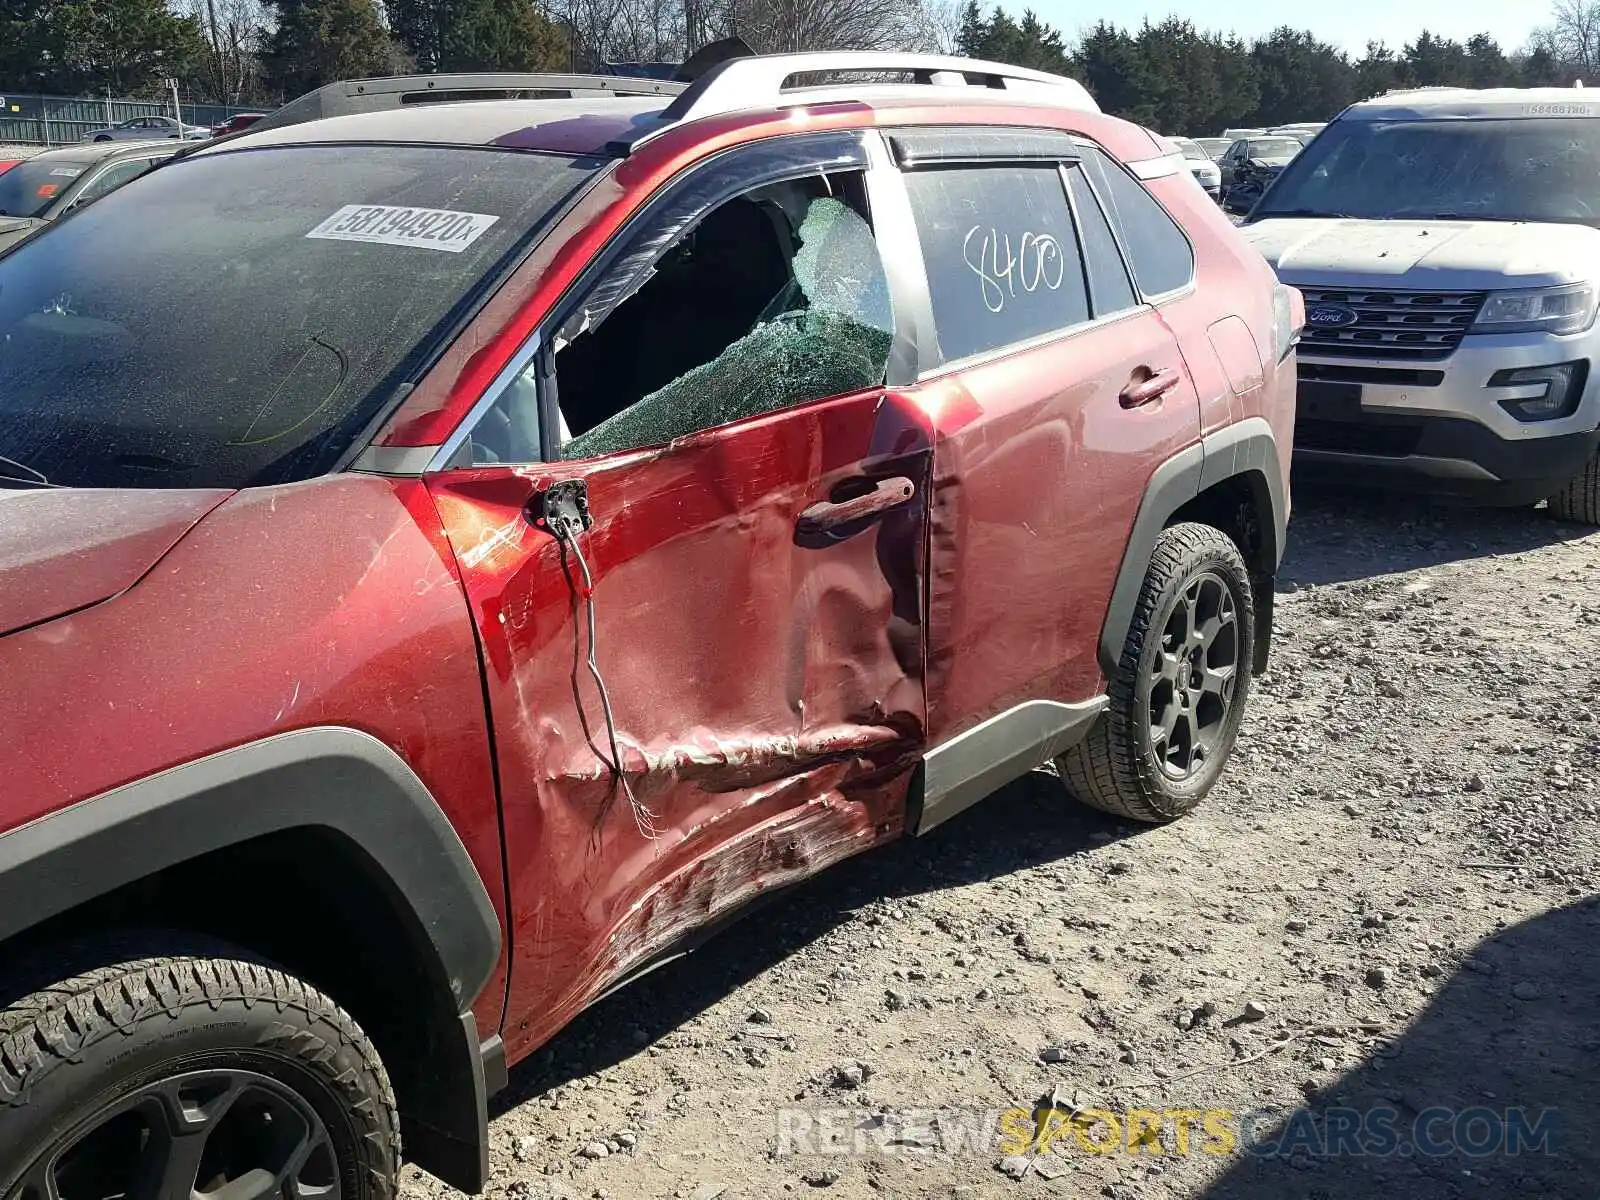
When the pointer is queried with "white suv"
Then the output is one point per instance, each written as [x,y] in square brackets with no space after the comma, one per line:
[1447,243]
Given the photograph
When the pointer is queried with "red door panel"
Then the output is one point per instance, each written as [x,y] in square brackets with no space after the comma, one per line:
[765,673]
[1040,468]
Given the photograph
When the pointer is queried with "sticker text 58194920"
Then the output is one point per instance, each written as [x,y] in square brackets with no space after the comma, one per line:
[389,225]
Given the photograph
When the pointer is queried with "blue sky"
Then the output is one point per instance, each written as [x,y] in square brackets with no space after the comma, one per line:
[1347,23]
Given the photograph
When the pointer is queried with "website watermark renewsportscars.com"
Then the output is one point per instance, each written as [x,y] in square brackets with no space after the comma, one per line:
[1474,1132]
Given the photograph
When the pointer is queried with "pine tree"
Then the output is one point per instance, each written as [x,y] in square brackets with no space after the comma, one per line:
[321,41]
[477,35]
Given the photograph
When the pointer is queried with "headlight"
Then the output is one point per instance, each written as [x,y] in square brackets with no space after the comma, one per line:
[1288,319]
[1567,309]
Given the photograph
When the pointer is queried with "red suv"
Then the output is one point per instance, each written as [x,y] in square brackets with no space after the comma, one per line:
[629,502]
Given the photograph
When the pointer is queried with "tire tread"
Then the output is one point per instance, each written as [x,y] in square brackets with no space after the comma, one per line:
[1106,770]
[51,1027]
[1579,500]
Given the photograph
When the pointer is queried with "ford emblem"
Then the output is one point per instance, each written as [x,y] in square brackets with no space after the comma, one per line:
[1331,316]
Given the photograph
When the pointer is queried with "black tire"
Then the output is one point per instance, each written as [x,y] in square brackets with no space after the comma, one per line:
[1121,767]
[131,1063]
[1579,501]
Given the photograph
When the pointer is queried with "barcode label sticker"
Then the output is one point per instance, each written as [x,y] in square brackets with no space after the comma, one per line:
[429,228]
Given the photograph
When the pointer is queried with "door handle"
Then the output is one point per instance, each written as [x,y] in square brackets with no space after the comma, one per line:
[827,515]
[1152,387]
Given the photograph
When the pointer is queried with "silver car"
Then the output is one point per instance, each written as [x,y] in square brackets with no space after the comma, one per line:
[48,186]
[1447,243]
[138,129]
[1206,172]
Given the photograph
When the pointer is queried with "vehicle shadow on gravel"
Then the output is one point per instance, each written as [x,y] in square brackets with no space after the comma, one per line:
[1517,1028]
[1342,534]
[1027,823]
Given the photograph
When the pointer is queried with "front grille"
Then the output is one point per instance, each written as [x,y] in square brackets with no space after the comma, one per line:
[1416,326]
[1350,437]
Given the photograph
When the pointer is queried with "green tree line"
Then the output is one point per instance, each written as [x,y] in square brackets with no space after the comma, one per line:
[1179,79]
[1169,75]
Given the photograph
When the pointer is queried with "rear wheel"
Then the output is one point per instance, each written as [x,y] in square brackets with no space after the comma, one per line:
[190,1075]
[1179,691]
[1580,500]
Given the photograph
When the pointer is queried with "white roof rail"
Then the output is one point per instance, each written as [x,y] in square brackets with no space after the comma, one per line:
[757,81]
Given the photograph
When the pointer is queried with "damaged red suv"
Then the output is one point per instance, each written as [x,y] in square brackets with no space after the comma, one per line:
[628,502]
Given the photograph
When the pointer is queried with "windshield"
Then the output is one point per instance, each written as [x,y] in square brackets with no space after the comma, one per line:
[29,188]
[1275,147]
[238,318]
[1481,170]
[1192,150]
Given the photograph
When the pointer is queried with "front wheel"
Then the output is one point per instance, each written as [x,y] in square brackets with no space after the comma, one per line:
[1579,501]
[1179,690]
[190,1074]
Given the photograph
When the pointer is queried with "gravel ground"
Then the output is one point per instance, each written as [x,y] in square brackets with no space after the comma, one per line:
[1388,904]
[14,150]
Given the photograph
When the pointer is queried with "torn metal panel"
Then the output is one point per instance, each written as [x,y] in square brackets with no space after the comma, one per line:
[760,679]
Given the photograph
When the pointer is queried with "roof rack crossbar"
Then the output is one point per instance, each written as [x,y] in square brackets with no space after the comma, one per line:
[396,91]
[758,81]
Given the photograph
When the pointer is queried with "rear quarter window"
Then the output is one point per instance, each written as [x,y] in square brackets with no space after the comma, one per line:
[1001,254]
[1159,250]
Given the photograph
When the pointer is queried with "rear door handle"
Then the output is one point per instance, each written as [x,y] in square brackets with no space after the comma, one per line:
[1139,392]
[826,515]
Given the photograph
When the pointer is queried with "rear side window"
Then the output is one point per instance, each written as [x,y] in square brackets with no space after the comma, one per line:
[1001,253]
[1162,258]
[1110,289]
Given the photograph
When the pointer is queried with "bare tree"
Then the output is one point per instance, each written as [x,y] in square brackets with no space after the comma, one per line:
[787,26]
[234,32]
[1573,36]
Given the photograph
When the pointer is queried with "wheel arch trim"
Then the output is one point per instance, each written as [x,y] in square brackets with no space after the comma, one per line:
[1247,449]
[326,778]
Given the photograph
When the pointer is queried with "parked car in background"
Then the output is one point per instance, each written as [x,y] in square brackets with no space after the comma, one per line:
[1214,147]
[1264,156]
[1448,244]
[40,189]
[235,123]
[869,445]
[1233,135]
[145,128]
[1206,173]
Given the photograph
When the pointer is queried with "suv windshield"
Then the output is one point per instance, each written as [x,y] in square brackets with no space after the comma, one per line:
[1542,169]
[239,318]
[29,188]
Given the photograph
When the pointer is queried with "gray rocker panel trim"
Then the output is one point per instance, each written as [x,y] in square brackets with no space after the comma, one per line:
[330,778]
[972,765]
[1246,449]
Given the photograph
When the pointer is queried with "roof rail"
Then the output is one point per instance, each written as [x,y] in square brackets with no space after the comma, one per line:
[757,81]
[398,91]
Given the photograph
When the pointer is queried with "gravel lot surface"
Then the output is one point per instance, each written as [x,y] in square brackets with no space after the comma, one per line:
[1388,902]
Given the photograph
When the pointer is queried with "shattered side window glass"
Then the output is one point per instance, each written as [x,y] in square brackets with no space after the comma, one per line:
[779,298]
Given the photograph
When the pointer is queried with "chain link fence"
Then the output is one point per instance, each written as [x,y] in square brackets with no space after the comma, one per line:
[60,120]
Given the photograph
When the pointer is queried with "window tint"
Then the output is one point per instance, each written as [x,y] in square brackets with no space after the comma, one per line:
[1002,257]
[1162,258]
[775,298]
[1110,289]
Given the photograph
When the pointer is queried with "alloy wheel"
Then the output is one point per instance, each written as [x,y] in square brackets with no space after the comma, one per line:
[1193,677]
[204,1135]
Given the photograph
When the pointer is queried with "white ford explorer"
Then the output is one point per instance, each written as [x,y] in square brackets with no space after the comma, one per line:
[1447,243]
